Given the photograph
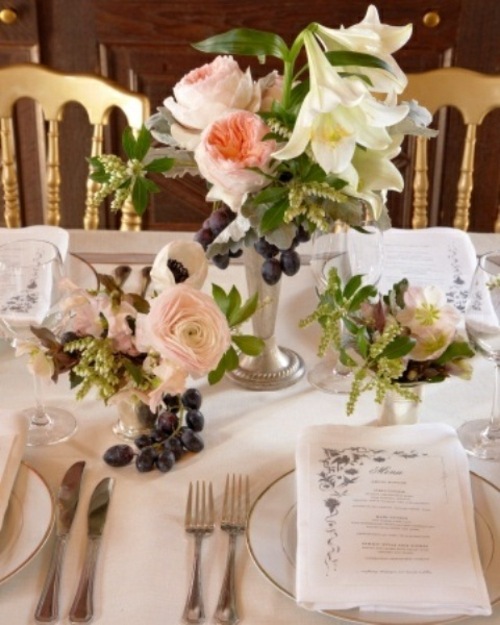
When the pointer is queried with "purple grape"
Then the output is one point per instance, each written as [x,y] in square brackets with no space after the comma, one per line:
[146,459]
[221,261]
[174,445]
[265,249]
[195,420]
[167,422]
[165,461]
[220,219]
[191,398]
[192,441]
[145,415]
[271,271]
[119,455]
[204,237]
[290,262]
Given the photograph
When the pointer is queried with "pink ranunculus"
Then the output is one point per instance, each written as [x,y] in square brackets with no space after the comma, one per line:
[228,149]
[206,93]
[185,326]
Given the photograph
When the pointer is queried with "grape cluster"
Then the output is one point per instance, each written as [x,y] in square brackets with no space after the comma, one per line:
[278,262]
[172,431]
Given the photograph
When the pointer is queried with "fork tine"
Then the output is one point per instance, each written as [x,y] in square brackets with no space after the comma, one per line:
[189,511]
[211,513]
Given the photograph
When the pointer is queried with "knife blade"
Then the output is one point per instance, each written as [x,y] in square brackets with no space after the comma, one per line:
[82,609]
[68,494]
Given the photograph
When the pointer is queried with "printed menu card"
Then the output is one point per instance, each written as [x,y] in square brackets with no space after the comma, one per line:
[385,521]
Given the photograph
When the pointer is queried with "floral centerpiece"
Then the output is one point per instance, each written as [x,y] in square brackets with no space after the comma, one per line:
[285,154]
[144,350]
[408,336]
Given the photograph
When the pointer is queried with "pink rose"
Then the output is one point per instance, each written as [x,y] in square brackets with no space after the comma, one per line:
[186,327]
[206,93]
[228,148]
[271,89]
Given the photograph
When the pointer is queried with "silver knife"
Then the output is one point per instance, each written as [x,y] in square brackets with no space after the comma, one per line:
[47,609]
[82,609]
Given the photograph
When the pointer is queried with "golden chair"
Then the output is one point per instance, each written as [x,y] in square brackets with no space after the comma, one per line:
[52,90]
[474,95]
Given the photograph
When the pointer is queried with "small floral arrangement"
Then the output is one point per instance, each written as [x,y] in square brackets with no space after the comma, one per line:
[127,346]
[407,336]
[288,153]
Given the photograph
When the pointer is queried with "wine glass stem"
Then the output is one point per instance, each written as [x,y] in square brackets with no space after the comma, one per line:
[493,429]
[40,416]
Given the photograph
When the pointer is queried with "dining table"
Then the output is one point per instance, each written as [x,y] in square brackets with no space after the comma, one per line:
[145,559]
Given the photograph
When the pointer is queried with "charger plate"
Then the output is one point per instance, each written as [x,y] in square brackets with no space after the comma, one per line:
[27,523]
[272,540]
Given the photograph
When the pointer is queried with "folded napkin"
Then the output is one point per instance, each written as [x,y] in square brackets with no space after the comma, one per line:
[385,521]
[13,431]
[58,236]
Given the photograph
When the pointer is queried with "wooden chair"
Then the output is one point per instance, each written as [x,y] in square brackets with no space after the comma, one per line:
[52,90]
[474,95]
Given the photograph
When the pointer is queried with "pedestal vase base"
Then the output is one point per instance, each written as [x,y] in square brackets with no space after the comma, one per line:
[271,371]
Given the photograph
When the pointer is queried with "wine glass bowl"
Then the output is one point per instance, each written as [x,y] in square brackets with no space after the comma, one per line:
[350,251]
[31,273]
[481,437]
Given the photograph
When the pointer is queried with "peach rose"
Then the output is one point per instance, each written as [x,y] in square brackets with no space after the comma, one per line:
[186,327]
[206,93]
[227,150]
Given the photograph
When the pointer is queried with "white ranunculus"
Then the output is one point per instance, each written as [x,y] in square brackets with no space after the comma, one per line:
[189,254]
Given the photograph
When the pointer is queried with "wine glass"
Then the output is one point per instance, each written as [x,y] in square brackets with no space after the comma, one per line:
[481,437]
[31,272]
[350,251]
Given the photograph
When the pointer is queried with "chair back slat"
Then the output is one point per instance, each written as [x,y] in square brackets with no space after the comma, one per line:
[53,90]
[474,95]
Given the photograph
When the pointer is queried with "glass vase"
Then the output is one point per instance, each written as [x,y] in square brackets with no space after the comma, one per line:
[398,410]
[276,367]
[129,425]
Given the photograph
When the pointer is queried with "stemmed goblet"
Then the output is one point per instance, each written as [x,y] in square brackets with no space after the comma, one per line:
[351,251]
[481,437]
[31,273]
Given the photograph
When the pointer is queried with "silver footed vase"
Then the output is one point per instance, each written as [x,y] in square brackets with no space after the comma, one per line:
[276,367]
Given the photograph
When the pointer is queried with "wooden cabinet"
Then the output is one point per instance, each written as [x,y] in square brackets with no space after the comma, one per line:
[145,44]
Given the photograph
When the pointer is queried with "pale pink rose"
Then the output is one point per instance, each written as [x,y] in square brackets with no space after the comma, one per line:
[185,326]
[228,148]
[271,89]
[206,93]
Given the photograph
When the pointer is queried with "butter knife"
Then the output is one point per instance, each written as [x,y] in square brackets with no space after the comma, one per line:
[47,609]
[82,609]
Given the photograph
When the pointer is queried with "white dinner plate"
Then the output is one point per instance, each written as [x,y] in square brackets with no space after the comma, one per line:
[81,272]
[272,540]
[27,523]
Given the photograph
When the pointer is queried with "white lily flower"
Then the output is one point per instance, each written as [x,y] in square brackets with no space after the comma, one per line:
[370,36]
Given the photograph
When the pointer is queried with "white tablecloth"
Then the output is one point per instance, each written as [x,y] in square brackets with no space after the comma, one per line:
[145,560]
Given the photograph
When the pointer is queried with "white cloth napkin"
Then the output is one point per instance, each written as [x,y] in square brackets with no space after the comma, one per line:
[13,432]
[58,236]
[385,521]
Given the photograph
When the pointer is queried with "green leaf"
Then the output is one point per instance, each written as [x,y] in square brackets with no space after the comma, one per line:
[245,41]
[398,347]
[273,217]
[352,286]
[143,143]
[244,312]
[100,177]
[134,371]
[248,344]
[231,359]
[359,59]
[140,196]
[234,298]
[270,195]
[160,165]
[128,142]
[220,298]
[458,349]
[218,373]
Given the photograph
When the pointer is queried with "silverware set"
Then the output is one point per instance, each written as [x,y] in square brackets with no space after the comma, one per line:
[200,521]
[82,610]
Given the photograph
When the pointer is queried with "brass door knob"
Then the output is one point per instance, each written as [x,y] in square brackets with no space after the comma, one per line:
[8,16]
[431,19]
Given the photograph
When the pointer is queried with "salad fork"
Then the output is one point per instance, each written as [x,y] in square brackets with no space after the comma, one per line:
[199,521]
[235,511]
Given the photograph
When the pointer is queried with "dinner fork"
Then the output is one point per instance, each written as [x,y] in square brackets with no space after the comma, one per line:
[235,511]
[200,522]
